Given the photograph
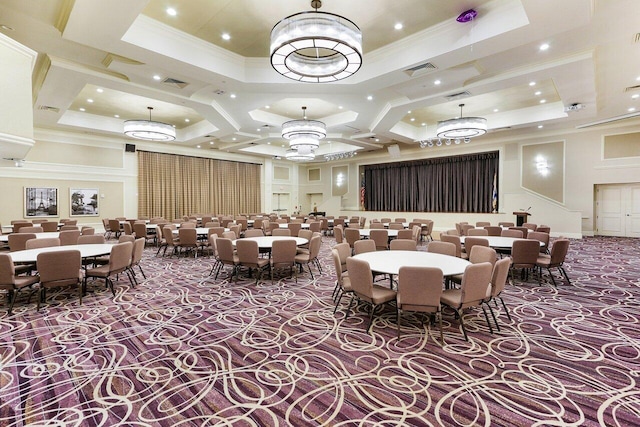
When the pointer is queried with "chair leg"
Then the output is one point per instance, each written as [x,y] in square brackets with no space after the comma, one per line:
[487,318]
[373,309]
[564,273]
[141,271]
[505,308]
[552,279]
[398,320]
[495,319]
[441,333]
[349,308]
[109,283]
[12,299]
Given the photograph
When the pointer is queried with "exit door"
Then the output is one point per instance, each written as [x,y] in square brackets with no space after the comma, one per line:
[618,210]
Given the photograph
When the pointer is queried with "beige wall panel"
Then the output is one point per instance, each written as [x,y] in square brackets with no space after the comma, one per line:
[621,146]
[543,169]
[12,189]
[339,180]
[68,154]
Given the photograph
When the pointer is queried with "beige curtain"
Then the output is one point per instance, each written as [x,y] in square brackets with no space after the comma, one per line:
[172,186]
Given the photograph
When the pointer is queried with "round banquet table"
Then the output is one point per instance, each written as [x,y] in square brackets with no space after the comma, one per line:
[86,251]
[266,242]
[499,242]
[365,232]
[389,262]
[303,225]
[52,234]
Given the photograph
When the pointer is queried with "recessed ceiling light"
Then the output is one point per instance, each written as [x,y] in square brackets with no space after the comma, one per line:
[413,119]
[156,77]
[268,143]
[187,120]
[82,109]
[532,83]
[99,90]
[542,101]
[89,100]
[233,95]
[267,106]
[210,142]
[282,145]
[197,146]
[544,46]
[409,112]
[635,96]
[540,126]
[398,26]
[171,11]
[631,109]
[437,82]
[638,78]
[537,93]
[6,27]
[495,110]
[369,98]
[339,107]
[377,139]
[233,139]
[117,116]
[423,124]
[226,36]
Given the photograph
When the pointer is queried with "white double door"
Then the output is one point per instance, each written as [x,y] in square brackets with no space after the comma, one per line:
[618,210]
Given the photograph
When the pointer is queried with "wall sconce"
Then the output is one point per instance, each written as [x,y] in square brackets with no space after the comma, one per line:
[340,179]
[542,166]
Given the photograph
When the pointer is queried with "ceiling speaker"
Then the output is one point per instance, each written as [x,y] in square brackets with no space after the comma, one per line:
[394,151]
[130,148]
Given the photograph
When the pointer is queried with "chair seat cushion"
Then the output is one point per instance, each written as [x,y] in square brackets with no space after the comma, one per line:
[302,258]
[382,294]
[102,271]
[451,297]
[24,281]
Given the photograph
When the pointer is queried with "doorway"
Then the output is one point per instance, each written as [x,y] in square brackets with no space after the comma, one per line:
[618,210]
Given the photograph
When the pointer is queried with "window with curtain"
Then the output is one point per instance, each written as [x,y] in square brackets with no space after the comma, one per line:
[466,183]
[171,186]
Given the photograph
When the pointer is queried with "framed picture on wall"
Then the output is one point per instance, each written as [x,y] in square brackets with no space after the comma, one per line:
[83,201]
[40,201]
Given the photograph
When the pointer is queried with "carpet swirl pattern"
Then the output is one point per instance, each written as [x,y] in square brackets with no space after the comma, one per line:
[183,349]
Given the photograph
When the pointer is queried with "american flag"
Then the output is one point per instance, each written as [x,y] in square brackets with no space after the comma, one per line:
[494,197]
[362,194]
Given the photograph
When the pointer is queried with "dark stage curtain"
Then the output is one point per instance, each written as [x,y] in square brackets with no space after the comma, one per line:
[466,183]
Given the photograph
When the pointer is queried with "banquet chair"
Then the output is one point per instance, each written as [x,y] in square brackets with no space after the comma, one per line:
[455,240]
[312,256]
[499,277]
[69,221]
[188,224]
[396,226]
[483,224]
[20,224]
[42,243]
[283,255]
[69,237]
[524,256]
[249,256]
[32,229]
[361,279]
[530,226]
[254,232]
[230,235]
[478,255]
[294,228]
[419,290]
[119,261]
[470,242]
[376,225]
[380,239]
[403,245]
[472,292]
[352,235]
[169,241]
[305,234]
[140,230]
[338,233]
[13,283]
[540,237]
[511,233]
[86,231]
[49,226]
[217,230]
[226,256]
[127,228]
[464,229]
[416,229]
[18,241]
[126,238]
[114,227]
[39,221]
[426,230]
[386,220]
[344,252]
[477,232]
[187,241]
[343,283]
[555,259]
[136,258]
[523,229]
[493,230]
[315,226]
[90,239]
[69,228]
[444,248]
[400,220]
[363,246]
[59,269]
[281,232]
[544,229]
[405,234]
[505,224]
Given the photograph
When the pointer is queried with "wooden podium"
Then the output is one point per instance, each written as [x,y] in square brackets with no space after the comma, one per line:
[521,217]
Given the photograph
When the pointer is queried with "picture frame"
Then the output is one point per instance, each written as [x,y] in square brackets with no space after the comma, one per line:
[40,202]
[84,201]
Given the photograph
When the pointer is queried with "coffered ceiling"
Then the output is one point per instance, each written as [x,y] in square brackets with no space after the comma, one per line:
[206,69]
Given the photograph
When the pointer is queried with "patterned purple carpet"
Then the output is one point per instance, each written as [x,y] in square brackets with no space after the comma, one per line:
[184,350]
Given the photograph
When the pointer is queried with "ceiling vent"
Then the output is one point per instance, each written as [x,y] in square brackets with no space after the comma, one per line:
[458,95]
[175,83]
[574,107]
[420,69]
[48,108]
[218,92]
[632,88]
[500,129]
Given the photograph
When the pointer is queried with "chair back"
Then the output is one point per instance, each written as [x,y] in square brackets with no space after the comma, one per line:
[254,232]
[247,250]
[225,249]
[69,227]
[295,228]
[477,232]
[242,222]
[114,225]
[126,227]
[493,230]
[87,231]
[385,220]
[315,226]
[230,235]
[18,241]
[42,243]
[237,228]
[18,225]
[351,235]
[120,257]
[380,239]
[464,229]
[499,276]
[281,232]
[483,224]
[138,250]
[7,272]
[49,226]
[188,236]
[314,247]
[540,237]
[360,277]
[283,253]
[32,229]
[305,234]
[126,238]
[335,256]
[559,252]
[524,253]
[69,221]
[544,229]
[511,233]
[403,245]
[344,252]
[400,220]
[444,248]
[362,246]
[90,239]
[470,242]
[69,237]
[455,240]
[337,233]
[419,289]
[505,224]
[523,229]
[140,229]
[480,254]
[396,226]
[475,284]
[404,234]
[376,225]
[188,224]
[59,268]
[530,226]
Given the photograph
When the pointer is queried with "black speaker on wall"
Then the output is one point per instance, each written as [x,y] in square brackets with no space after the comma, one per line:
[130,148]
